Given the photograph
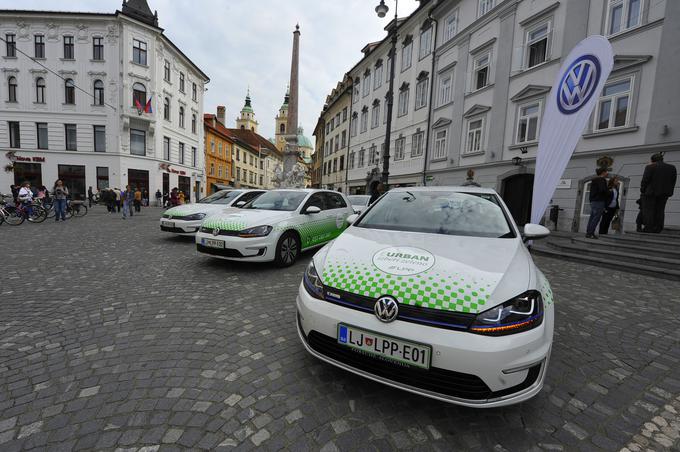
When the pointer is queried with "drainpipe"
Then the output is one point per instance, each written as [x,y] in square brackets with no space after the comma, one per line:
[429,109]
[349,136]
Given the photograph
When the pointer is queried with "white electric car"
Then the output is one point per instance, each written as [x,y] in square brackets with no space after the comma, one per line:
[359,202]
[433,291]
[276,226]
[187,218]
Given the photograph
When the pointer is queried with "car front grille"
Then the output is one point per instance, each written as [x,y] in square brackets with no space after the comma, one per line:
[224,252]
[440,381]
[227,233]
[176,230]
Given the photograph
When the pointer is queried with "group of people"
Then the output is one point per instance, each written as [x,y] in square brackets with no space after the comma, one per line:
[129,200]
[658,182]
[172,199]
[25,195]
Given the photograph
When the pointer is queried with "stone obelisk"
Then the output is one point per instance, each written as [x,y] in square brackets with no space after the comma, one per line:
[290,153]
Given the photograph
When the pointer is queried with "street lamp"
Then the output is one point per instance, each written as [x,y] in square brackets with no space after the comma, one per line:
[382,10]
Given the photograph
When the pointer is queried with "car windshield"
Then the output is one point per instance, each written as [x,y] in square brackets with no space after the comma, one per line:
[439,212]
[221,197]
[278,200]
[359,200]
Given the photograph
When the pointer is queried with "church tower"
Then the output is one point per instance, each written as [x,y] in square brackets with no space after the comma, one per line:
[247,119]
[281,123]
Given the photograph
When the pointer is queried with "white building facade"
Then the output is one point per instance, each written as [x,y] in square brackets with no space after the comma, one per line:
[99,100]
[336,119]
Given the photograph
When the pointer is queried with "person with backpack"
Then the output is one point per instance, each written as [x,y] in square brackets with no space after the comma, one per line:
[60,194]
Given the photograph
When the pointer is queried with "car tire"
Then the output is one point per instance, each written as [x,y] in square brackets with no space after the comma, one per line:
[287,250]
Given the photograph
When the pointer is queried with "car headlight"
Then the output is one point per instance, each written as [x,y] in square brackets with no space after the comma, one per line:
[196,216]
[522,313]
[312,282]
[257,231]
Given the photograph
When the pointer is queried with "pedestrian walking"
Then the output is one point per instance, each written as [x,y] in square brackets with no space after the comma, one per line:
[377,193]
[90,195]
[599,198]
[174,197]
[128,197]
[60,194]
[111,200]
[612,207]
[159,197]
[138,200]
[145,198]
[657,185]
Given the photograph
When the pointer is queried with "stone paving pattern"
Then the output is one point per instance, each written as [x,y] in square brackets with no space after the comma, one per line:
[114,335]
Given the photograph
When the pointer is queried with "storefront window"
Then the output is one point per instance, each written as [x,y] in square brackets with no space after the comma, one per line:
[102,177]
[184,185]
[31,172]
[73,177]
[138,179]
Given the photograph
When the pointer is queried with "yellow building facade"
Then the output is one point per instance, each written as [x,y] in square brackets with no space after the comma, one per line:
[218,155]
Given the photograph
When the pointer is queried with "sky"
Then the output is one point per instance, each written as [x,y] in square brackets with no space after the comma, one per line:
[248,43]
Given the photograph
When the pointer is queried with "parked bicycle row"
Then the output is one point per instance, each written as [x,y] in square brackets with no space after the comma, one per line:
[35,206]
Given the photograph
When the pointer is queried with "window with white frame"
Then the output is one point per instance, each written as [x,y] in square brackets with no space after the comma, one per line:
[373,155]
[375,115]
[623,15]
[481,71]
[364,119]
[445,91]
[528,122]
[425,42]
[439,144]
[421,93]
[417,144]
[406,55]
[399,146]
[474,136]
[362,157]
[378,75]
[402,106]
[344,138]
[451,25]
[351,160]
[355,96]
[613,107]
[538,44]
[139,52]
[485,6]
[367,84]
[353,124]
[166,71]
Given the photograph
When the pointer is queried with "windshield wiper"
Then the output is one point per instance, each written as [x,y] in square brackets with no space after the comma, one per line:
[406,198]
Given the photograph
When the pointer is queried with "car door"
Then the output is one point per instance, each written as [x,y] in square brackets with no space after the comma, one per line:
[338,211]
[315,228]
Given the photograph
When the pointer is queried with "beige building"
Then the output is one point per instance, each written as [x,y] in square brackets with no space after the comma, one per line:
[336,137]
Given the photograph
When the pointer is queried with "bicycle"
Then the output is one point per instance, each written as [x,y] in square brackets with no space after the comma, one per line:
[75,209]
[8,213]
[34,212]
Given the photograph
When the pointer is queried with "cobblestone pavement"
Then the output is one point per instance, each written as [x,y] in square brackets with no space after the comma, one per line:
[116,336]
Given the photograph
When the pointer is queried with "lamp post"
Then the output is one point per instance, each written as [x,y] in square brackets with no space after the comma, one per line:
[382,10]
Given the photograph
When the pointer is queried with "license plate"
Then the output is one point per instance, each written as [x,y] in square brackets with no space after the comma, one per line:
[168,224]
[385,347]
[212,243]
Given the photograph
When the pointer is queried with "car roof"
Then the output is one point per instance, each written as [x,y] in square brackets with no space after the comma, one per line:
[307,190]
[459,189]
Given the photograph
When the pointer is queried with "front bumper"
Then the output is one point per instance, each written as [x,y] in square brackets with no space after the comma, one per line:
[181,227]
[466,369]
[257,249]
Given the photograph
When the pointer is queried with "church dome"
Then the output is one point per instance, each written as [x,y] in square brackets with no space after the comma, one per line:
[303,141]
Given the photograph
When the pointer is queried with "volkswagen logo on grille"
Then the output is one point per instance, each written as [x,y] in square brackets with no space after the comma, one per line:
[216,232]
[386,309]
[578,84]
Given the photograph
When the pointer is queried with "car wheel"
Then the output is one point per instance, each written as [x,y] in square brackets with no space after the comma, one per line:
[287,250]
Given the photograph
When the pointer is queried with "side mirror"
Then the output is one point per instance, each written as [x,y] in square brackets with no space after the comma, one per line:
[352,218]
[312,209]
[535,232]
[240,204]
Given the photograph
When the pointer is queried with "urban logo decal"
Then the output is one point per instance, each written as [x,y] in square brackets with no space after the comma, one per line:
[403,261]
[578,84]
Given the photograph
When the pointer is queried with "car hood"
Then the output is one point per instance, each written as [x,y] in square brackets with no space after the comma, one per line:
[454,273]
[190,209]
[236,220]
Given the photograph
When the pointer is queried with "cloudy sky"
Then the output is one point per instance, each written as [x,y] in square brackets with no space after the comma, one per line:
[241,43]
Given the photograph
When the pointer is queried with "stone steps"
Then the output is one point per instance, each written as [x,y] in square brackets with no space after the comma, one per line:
[630,248]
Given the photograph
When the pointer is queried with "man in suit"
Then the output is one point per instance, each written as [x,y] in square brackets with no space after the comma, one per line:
[658,182]
[599,198]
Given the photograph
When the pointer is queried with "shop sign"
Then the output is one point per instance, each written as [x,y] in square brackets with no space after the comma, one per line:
[13,157]
[167,167]
[564,183]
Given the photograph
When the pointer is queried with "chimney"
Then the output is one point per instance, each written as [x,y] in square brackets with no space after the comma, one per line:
[221,112]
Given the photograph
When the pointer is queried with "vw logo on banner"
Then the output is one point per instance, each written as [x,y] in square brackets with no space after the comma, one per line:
[578,84]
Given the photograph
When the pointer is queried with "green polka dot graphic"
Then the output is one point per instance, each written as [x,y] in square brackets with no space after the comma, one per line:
[224,224]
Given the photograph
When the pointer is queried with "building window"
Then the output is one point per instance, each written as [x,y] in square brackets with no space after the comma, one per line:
[481,74]
[335,165]
[41,133]
[98,92]
[373,155]
[417,144]
[139,52]
[399,147]
[12,89]
[219,149]
[528,122]
[193,123]
[344,114]
[14,134]
[351,160]
[406,55]
[138,95]
[451,26]
[364,119]
[337,143]
[344,138]
[194,155]
[39,46]
[100,138]
[212,146]
[181,82]
[212,169]
[375,115]
[98,48]
[166,71]
[181,117]
[353,124]
[439,145]
[181,155]
[166,109]
[238,174]
[421,93]
[367,83]
[362,157]
[537,45]
[69,92]
[337,119]
[474,136]
[166,148]
[11,45]
[402,106]
[137,142]
[378,76]
[356,91]
[623,15]
[445,83]
[613,108]
[485,6]
[102,177]
[71,137]
[425,42]
[69,48]
[40,90]
[194,92]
